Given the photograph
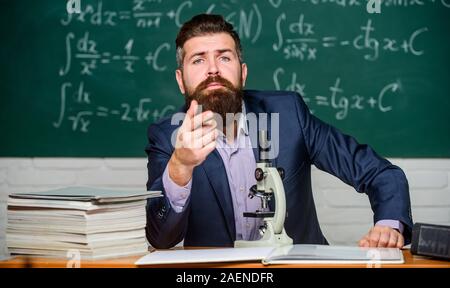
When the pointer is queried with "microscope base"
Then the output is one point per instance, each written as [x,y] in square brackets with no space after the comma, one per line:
[269,239]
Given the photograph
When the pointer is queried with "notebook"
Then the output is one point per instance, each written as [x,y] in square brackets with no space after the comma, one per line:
[98,195]
[292,254]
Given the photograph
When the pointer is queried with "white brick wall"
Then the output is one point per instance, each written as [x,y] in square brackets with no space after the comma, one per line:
[344,214]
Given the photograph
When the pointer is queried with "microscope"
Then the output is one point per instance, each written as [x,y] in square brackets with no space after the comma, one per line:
[268,184]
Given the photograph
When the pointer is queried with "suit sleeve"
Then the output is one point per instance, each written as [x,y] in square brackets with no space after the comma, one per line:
[165,226]
[358,165]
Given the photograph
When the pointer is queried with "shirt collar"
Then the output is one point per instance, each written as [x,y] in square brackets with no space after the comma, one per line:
[243,125]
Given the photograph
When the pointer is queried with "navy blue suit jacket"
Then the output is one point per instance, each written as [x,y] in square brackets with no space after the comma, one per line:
[207,218]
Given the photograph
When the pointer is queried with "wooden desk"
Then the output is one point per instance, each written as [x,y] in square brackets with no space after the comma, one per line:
[411,261]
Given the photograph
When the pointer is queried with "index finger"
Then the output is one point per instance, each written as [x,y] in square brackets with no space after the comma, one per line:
[190,114]
[192,111]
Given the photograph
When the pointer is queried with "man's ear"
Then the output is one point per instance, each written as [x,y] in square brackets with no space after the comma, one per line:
[244,73]
[179,77]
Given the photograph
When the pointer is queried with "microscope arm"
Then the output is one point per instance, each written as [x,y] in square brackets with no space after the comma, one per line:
[272,182]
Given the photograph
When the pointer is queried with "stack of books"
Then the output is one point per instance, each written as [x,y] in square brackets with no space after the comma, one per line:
[96,223]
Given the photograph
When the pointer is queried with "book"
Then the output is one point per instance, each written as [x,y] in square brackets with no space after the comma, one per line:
[97,223]
[291,254]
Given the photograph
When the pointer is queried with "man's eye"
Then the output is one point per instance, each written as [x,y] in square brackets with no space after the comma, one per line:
[225,59]
[198,61]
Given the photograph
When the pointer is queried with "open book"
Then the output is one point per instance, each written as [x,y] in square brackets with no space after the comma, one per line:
[292,254]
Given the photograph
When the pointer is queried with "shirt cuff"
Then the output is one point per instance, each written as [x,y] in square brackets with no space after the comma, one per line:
[394,224]
[176,194]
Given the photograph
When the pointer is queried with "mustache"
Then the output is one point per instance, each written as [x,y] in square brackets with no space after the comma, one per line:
[215,79]
[226,99]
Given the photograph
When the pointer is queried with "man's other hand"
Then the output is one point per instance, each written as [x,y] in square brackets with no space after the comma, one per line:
[382,236]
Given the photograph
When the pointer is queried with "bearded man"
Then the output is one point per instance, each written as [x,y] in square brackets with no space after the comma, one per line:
[205,167]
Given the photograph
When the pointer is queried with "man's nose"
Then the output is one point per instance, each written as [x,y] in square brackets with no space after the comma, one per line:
[213,69]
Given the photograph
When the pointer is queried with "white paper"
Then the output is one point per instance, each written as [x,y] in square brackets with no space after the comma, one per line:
[205,255]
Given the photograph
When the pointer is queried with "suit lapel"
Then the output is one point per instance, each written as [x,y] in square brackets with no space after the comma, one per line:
[252,106]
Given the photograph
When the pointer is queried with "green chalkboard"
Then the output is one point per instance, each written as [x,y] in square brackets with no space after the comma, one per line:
[89,84]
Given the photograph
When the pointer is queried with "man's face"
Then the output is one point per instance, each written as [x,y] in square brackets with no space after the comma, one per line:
[212,73]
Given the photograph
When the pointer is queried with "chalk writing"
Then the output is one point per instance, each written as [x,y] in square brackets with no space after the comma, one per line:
[384,3]
[335,98]
[95,43]
[298,40]
[78,111]
[85,51]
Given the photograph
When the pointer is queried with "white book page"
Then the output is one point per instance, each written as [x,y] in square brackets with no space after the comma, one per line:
[303,253]
[205,255]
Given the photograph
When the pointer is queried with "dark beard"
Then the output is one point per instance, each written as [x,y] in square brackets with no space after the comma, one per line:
[223,100]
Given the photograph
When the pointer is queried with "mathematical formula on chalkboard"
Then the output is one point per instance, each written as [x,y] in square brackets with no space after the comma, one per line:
[293,37]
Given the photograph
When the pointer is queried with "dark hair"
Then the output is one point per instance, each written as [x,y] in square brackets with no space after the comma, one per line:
[204,24]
